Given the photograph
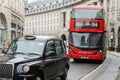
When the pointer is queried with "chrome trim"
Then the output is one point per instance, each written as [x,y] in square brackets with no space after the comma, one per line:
[4,79]
[11,71]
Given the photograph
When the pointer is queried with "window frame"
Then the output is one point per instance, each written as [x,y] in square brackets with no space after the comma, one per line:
[61,45]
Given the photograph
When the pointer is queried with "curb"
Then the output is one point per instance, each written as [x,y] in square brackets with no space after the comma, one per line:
[90,75]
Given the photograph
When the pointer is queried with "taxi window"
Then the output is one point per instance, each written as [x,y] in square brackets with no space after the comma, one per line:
[12,48]
[50,46]
[59,49]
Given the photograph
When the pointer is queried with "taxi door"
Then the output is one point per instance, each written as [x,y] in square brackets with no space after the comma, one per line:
[50,68]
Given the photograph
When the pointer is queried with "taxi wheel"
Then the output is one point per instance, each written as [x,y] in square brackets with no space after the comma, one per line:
[64,76]
[38,77]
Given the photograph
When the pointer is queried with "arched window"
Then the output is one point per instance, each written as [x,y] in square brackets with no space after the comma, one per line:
[63,37]
[112,37]
[118,38]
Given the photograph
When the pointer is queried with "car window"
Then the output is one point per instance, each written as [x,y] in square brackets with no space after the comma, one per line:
[58,45]
[12,47]
[50,46]
[63,46]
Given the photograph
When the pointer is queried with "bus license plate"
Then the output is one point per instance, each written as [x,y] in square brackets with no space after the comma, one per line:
[84,57]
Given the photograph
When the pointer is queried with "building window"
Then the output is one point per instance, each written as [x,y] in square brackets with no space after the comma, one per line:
[64,19]
[95,3]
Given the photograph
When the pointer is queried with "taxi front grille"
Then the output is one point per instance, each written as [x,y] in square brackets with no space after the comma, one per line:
[6,71]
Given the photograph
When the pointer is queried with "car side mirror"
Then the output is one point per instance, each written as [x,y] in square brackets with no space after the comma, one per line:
[50,53]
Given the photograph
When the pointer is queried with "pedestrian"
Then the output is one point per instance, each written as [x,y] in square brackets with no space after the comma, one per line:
[5,44]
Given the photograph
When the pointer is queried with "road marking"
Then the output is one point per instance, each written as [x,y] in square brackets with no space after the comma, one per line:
[90,72]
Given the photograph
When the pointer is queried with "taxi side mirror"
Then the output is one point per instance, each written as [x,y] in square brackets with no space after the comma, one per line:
[50,53]
[4,51]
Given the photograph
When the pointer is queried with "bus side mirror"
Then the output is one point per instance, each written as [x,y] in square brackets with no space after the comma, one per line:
[105,31]
[68,29]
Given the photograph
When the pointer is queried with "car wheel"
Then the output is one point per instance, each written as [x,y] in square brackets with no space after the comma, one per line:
[38,77]
[64,76]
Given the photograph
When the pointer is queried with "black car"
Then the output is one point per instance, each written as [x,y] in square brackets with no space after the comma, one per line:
[34,58]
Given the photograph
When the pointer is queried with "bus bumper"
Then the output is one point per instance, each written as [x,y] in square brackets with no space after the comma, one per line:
[84,56]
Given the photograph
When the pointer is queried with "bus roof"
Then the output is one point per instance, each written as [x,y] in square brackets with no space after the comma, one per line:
[87,7]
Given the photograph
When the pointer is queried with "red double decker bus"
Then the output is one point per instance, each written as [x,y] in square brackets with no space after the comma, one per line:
[87,37]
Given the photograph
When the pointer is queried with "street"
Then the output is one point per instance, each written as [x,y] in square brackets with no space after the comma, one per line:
[106,71]
[78,70]
[34,34]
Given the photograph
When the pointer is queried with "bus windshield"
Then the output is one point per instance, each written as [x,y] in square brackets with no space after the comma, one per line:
[86,40]
[87,14]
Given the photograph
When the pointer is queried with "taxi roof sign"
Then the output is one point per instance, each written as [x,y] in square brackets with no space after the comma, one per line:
[30,37]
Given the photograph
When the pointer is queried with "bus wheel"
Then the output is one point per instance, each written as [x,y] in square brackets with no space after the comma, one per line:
[76,60]
[100,61]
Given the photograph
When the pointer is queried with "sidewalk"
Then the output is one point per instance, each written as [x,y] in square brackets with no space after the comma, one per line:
[114,53]
[118,55]
[108,70]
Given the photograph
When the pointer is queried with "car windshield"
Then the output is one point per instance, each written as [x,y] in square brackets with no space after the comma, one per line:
[87,14]
[27,47]
[86,40]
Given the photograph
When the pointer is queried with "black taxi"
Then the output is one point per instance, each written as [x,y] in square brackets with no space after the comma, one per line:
[34,58]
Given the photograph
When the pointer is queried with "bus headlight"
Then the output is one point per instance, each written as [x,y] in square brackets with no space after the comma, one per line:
[26,68]
[99,51]
[71,50]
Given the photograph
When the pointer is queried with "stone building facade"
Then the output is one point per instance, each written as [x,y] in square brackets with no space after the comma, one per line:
[11,20]
[52,16]
[113,24]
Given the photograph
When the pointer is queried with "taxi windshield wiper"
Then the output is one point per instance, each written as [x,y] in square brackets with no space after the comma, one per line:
[22,53]
[33,54]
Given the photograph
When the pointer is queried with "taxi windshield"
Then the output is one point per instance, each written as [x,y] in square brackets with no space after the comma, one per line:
[29,47]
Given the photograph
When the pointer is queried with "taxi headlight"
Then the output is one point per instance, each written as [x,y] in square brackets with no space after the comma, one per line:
[26,68]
